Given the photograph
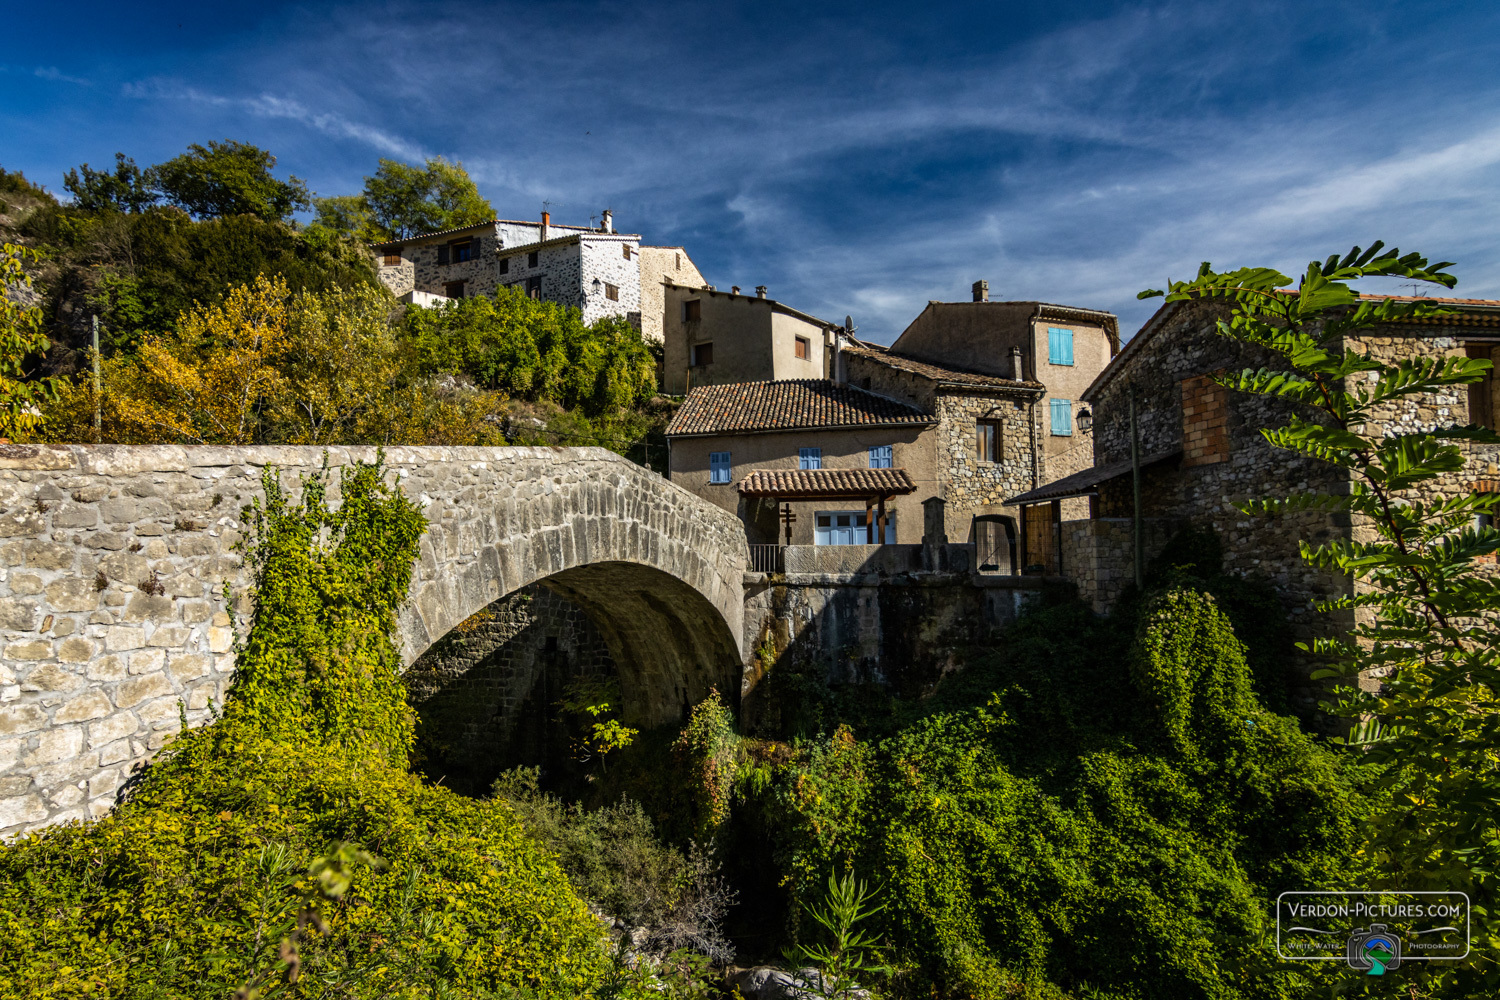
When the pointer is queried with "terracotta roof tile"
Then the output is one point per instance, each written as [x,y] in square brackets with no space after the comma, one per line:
[939,373]
[792,404]
[826,484]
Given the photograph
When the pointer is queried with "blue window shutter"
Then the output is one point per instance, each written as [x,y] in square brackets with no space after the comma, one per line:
[718,467]
[1059,346]
[880,456]
[809,458]
[1062,417]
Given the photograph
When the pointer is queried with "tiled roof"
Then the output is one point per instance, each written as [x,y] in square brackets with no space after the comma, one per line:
[1087,481]
[826,484]
[939,373]
[792,404]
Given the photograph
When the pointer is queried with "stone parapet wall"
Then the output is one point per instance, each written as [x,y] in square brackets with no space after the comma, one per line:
[114,560]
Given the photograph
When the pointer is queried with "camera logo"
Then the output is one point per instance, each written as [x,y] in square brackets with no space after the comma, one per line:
[1374,950]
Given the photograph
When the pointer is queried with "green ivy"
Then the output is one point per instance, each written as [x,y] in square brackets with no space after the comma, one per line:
[196,887]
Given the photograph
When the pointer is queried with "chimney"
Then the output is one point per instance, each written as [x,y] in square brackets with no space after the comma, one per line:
[981,291]
[734,289]
[607,223]
[1018,370]
[760,291]
[546,220]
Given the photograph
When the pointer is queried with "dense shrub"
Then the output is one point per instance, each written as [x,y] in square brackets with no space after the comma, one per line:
[216,874]
[536,350]
[1110,822]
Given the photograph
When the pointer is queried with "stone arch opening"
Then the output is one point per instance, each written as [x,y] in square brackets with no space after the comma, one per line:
[487,692]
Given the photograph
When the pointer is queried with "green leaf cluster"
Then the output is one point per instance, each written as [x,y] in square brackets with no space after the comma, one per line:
[1102,809]
[535,350]
[1418,675]
[208,182]
[401,200]
[199,885]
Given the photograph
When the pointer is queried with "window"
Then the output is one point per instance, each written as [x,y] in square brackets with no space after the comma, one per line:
[679,260]
[612,292]
[443,254]
[802,348]
[1062,417]
[809,458]
[718,466]
[453,289]
[1059,346]
[880,456]
[534,287]
[393,260]
[848,527]
[504,265]
[627,250]
[463,251]
[692,309]
[531,259]
[703,354]
[988,433]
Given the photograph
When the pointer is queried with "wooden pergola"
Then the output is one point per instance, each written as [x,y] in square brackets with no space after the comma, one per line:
[874,486]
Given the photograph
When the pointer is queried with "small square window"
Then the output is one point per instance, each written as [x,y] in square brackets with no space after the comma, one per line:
[988,433]
[532,258]
[393,260]
[534,287]
[612,292]
[1062,417]
[809,458]
[454,289]
[880,456]
[463,251]
[802,348]
[718,467]
[692,309]
[504,265]
[703,354]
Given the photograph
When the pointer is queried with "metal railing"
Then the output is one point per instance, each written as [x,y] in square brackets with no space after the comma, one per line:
[767,559]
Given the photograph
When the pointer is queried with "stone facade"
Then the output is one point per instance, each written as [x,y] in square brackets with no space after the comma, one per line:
[113,560]
[659,266]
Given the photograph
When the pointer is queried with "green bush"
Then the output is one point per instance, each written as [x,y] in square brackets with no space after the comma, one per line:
[535,350]
[214,875]
[1110,822]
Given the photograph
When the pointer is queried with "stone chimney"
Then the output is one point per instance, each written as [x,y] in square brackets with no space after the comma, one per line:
[981,291]
[607,221]
[760,291]
[734,289]
[1017,368]
[546,221]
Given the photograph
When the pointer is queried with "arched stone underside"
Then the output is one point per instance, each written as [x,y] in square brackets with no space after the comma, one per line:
[114,560]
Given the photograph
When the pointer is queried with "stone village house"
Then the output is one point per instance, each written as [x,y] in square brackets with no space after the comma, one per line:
[947,411]
[1201,449]
[599,271]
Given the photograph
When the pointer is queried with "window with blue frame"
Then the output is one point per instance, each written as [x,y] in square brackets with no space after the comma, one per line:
[1059,346]
[880,456]
[718,466]
[1062,417]
[809,458]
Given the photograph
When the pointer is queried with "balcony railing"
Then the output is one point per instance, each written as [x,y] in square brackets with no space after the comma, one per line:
[767,559]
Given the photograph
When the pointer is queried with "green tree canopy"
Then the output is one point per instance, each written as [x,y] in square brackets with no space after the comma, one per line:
[229,178]
[402,200]
[127,188]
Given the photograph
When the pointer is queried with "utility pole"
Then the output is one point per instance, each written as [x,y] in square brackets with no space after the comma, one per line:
[1135,471]
[98,419]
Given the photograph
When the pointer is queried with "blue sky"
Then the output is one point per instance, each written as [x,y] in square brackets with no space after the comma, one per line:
[857,158]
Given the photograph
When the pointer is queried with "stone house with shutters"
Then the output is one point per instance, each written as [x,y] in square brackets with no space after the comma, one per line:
[594,269]
[719,338]
[1201,449]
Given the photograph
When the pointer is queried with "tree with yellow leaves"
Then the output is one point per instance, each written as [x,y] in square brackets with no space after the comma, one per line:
[20,337]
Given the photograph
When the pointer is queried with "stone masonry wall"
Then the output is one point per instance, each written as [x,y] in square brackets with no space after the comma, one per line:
[113,560]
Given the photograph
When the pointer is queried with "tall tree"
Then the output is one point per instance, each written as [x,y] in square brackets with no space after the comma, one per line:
[402,200]
[229,178]
[127,188]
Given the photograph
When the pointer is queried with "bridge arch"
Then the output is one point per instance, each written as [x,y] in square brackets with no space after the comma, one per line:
[113,561]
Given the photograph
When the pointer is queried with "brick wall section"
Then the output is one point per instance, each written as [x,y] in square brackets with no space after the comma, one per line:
[93,666]
[1205,433]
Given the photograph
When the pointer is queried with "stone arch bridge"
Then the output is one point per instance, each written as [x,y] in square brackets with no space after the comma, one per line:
[113,560]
